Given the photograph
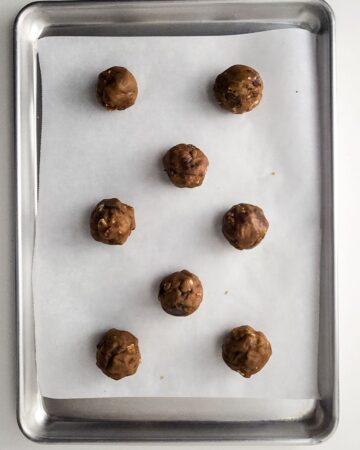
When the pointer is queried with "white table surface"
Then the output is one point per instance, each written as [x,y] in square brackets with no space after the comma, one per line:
[347,436]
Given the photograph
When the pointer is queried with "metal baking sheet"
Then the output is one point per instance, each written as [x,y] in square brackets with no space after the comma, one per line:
[168,419]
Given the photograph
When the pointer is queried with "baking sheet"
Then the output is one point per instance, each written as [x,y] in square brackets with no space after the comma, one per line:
[268,157]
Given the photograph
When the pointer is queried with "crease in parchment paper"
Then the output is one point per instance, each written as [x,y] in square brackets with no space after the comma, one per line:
[268,157]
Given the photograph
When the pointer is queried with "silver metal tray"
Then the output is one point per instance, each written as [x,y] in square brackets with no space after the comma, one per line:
[168,419]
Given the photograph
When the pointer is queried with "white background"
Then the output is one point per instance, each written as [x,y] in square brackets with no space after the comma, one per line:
[348,159]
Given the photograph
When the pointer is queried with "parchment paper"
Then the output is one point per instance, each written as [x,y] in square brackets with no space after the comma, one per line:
[268,157]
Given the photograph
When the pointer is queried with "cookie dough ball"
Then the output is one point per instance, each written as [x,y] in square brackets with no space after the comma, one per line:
[238,89]
[244,226]
[116,88]
[180,293]
[246,351]
[186,165]
[112,222]
[118,354]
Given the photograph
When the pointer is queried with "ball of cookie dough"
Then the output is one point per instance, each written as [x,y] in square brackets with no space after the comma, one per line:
[180,293]
[118,354]
[112,222]
[244,226]
[186,165]
[238,89]
[246,351]
[116,88]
